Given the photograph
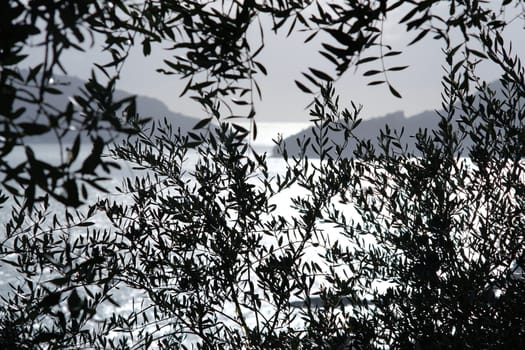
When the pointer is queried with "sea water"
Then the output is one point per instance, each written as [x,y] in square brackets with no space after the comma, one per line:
[55,154]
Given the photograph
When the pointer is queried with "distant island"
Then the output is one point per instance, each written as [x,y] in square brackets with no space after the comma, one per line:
[370,129]
[147,107]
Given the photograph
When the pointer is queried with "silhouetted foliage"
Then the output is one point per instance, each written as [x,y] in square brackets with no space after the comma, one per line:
[211,51]
[205,246]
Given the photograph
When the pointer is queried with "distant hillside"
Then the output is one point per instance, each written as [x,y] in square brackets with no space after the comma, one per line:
[369,129]
[147,107]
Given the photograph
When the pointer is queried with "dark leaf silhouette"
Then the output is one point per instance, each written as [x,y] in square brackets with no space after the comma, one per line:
[94,158]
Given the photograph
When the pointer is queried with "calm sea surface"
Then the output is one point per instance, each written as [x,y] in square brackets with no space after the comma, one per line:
[53,154]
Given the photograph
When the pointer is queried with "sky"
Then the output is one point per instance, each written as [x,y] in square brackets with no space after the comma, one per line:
[285,59]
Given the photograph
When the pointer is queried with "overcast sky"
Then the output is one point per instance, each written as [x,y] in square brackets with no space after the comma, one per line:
[285,59]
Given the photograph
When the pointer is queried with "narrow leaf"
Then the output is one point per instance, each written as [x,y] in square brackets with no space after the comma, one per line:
[321,75]
[303,87]
[371,72]
[394,91]
[376,82]
[201,124]
[366,59]
[398,68]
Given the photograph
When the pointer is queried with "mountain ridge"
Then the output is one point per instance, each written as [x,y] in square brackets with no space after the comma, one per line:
[369,129]
[146,106]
